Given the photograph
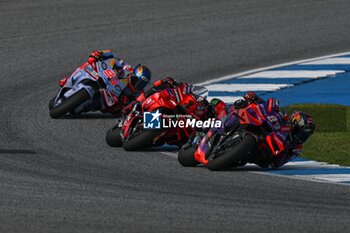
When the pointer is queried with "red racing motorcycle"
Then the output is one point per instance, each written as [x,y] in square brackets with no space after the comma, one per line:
[244,135]
[170,105]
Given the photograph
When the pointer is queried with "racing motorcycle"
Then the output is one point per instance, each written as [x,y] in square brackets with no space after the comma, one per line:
[246,133]
[87,89]
[178,102]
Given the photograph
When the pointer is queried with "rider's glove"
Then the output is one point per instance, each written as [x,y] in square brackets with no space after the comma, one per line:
[252,97]
[170,81]
[164,83]
[95,56]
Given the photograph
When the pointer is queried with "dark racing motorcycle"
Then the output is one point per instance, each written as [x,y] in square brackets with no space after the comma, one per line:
[244,135]
[87,89]
[134,134]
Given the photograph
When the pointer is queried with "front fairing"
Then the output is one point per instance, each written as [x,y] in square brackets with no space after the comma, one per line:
[74,83]
[171,101]
[131,120]
[163,99]
[77,77]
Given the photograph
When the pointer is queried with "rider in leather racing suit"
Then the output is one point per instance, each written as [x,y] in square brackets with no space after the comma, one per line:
[300,127]
[204,109]
[135,78]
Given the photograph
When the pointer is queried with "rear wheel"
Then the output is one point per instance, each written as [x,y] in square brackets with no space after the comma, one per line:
[186,157]
[69,104]
[234,155]
[113,137]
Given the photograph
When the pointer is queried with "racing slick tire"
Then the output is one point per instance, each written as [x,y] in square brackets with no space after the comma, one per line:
[233,155]
[69,104]
[113,138]
[186,157]
[141,140]
[51,103]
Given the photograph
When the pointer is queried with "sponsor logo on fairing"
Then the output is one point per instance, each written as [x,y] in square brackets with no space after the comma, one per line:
[104,66]
[157,120]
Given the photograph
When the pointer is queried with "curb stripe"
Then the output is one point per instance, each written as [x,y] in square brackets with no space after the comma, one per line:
[294,74]
[331,61]
[244,87]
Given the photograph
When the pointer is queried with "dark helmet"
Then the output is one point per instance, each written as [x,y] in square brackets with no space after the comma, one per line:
[303,127]
[141,77]
[217,108]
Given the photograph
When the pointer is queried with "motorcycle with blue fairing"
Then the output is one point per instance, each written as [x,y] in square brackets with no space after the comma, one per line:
[88,88]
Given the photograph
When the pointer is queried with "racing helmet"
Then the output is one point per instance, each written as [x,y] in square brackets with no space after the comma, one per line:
[217,108]
[140,78]
[302,127]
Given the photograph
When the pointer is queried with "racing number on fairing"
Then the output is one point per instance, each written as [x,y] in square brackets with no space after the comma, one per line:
[274,121]
[272,118]
[112,77]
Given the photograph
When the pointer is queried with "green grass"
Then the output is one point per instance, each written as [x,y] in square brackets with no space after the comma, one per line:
[331,140]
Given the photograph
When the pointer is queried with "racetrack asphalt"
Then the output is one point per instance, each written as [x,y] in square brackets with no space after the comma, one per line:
[60,176]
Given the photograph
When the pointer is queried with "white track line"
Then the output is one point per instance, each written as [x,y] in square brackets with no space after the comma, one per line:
[328,177]
[270,67]
[170,154]
[246,87]
[331,61]
[226,99]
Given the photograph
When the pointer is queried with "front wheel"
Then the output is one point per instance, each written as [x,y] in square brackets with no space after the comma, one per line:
[69,104]
[51,103]
[113,137]
[186,157]
[141,140]
[234,155]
